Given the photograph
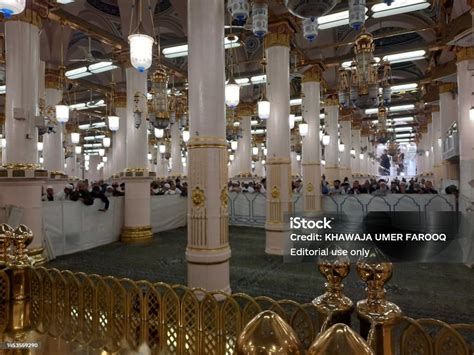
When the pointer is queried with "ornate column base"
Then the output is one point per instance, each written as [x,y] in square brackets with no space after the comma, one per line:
[311,186]
[137,219]
[209,268]
[141,234]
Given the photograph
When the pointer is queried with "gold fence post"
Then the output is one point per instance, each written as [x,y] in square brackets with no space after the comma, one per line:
[333,305]
[376,314]
[268,333]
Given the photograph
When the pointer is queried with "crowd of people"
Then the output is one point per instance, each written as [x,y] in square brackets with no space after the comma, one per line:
[379,187]
[86,192]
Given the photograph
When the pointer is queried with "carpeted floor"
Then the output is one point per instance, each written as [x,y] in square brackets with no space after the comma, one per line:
[442,291]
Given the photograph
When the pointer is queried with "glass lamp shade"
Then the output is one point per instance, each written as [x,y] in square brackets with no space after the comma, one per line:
[141,51]
[87,157]
[39,146]
[106,142]
[75,137]
[186,136]
[361,156]
[62,113]
[427,153]
[291,120]
[12,7]
[41,160]
[264,151]
[231,157]
[234,145]
[471,113]
[159,133]
[3,143]
[102,152]
[149,156]
[232,93]
[304,128]
[298,157]
[263,109]
[326,139]
[162,148]
[353,152]
[114,123]
[263,162]
[323,162]
[78,149]
[255,150]
[341,147]
[104,159]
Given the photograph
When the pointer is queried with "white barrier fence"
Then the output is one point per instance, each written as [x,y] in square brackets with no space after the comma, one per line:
[71,226]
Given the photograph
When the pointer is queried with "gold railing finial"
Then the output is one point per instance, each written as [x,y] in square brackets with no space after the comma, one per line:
[268,333]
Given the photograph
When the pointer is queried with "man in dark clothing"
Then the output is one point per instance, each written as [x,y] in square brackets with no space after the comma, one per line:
[82,194]
[97,193]
[385,163]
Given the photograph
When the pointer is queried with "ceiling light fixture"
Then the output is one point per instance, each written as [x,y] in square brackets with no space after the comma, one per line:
[141,45]
[398,7]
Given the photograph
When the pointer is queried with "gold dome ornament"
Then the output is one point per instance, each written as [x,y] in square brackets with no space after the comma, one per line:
[340,339]
[268,333]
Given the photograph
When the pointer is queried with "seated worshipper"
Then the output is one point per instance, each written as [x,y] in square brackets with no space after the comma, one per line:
[97,193]
[346,187]
[82,194]
[403,187]
[235,187]
[394,189]
[247,188]
[174,190]
[428,189]
[184,189]
[356,188]
[154,188]
[337,188]
[414,187]
[66,193]
[49,195]
[452,190]
[166,188]
[382,190]
[366,188]
[116,190]
[109,191]
[324,187]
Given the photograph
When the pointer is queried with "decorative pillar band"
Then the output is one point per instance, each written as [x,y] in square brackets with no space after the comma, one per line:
[312,75]
[331,101]
[52,79]
[465,53]
[206,142]
[120,99]
[448,87]
[277,39]
[29,15]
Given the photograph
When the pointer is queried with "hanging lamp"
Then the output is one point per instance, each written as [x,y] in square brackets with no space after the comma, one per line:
[62,109]
[141,45]
[12,7]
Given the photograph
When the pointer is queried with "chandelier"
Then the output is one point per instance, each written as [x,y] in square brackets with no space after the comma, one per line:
[158,113]
[361,84]
[382,135]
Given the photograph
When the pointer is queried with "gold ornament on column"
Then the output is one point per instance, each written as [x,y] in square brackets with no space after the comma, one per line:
[224,197]
[198,197]
[275,192]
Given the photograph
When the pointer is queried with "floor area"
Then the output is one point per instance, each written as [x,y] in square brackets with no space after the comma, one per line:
[441,291]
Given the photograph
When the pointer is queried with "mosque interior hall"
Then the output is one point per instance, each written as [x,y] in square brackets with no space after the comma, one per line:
[218,177]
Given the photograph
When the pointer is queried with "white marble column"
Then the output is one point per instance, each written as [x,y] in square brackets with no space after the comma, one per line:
[278,141]
[355,161]
[311,162]
[346,138]
[448,109]
[137,227]
[177,165]
[53,151]
[465,73]
[244,149]
[430,146]
[294,164]
[364,163]
[437,155]
[22,184]
[331,153]
[208,251]
[119,138]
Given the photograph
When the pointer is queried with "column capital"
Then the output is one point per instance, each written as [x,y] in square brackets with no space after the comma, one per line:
[31,15]
[331,100]
[356,125]
[52,79]
[447,87]
[120,99]
[245,109]
[345,114]
[424,128]
[279,34]
[365,131]
[313,74]
[465,53]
